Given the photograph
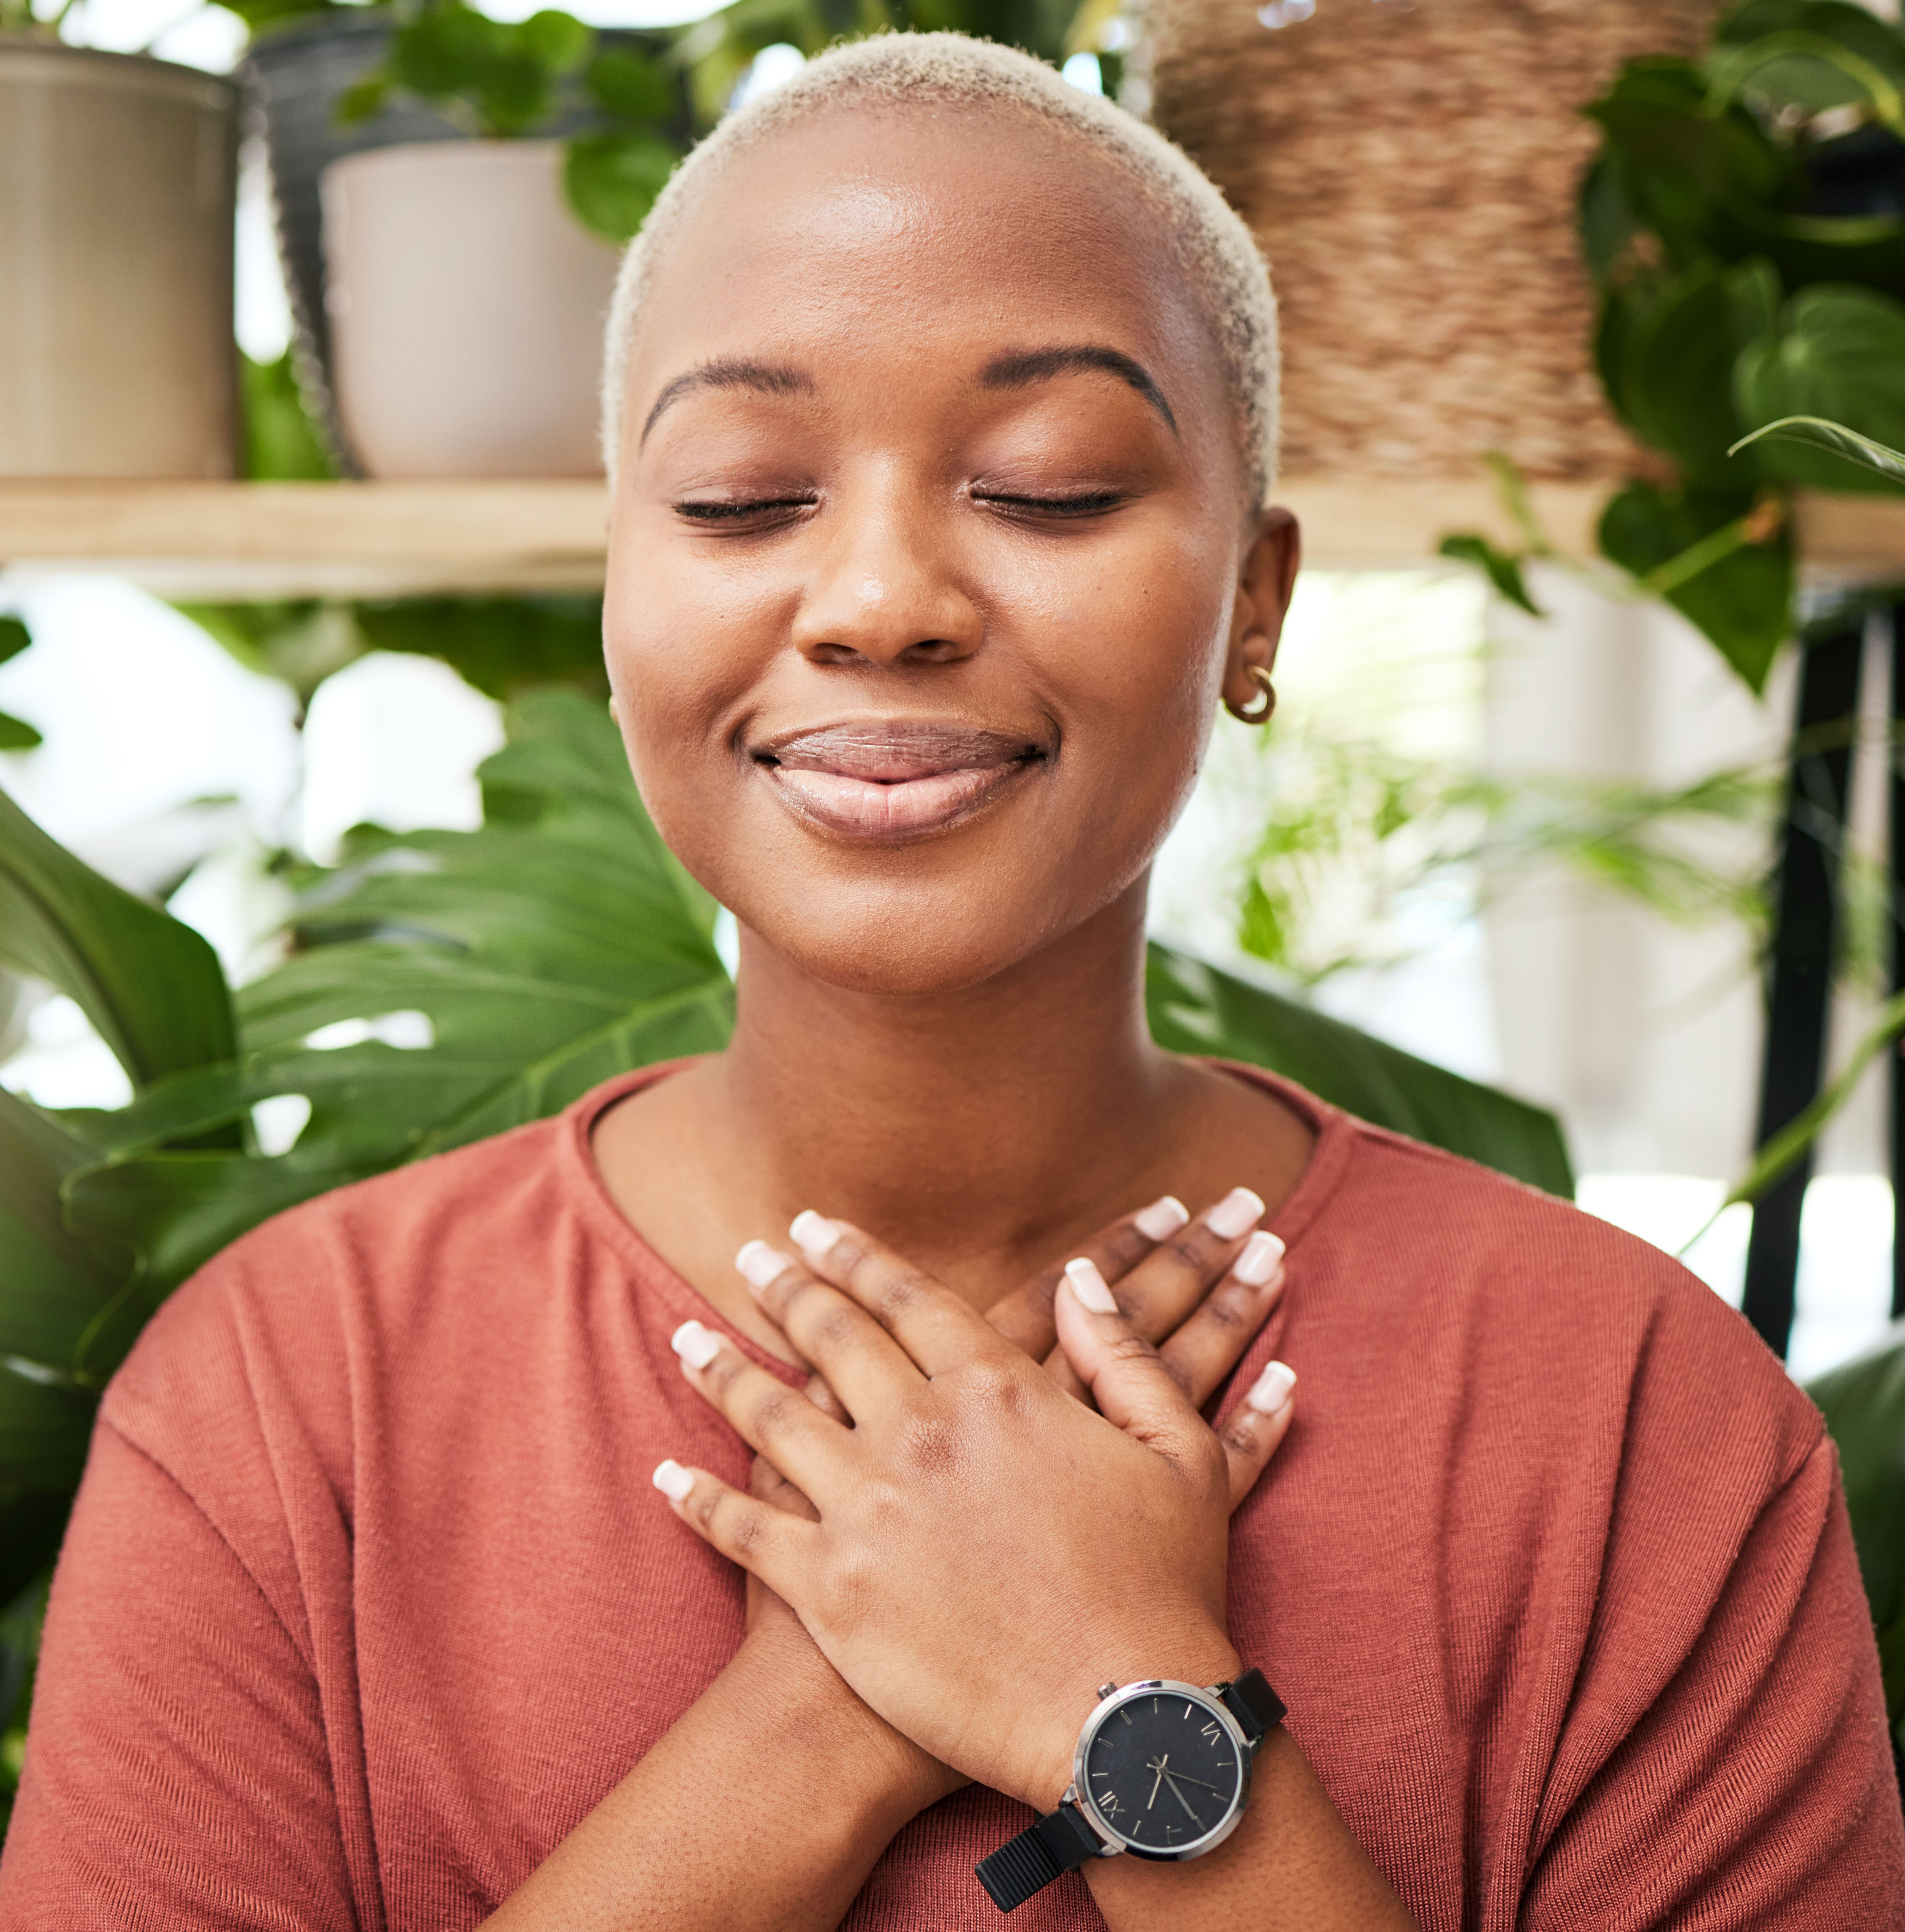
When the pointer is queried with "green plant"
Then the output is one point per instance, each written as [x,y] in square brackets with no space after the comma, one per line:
[24,18]
[1864,1405]
[16,734]
[1743,280]
[501,79]
[502,646]
[717,51]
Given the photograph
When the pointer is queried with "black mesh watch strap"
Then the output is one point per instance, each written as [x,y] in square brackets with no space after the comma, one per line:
[1255,1706]
[1060,1842]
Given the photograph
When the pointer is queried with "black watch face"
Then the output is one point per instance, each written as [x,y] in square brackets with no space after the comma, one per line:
[1162,1772]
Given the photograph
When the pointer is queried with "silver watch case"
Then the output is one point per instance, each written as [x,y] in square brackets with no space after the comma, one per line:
[1078,1794]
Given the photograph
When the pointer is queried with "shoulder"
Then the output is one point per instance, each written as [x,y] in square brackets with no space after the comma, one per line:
[291,1316]
[1574,1332]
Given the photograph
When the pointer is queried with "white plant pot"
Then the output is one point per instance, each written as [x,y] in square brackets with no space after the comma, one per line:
[466,305]
[117,179]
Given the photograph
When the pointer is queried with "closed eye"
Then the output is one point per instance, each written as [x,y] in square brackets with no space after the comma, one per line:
[730,512]
[1090,503]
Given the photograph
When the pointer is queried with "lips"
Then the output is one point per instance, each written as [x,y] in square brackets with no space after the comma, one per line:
[887,780]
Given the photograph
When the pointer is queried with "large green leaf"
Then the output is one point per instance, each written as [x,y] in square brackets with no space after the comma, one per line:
[53,1282]
[1196,1008]
[1740,594]
[1838,353]
[1863,1404]
[151,987]
[1673,375]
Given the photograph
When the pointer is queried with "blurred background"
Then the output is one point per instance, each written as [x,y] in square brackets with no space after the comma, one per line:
[1583,784]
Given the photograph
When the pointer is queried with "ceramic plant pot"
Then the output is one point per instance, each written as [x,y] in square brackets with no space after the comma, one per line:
[118,176]
[292,78]
[465,305]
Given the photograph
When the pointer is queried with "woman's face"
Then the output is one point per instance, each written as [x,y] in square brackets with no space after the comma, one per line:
[931,558]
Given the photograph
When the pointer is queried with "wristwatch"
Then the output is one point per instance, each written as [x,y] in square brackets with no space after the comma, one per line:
[1162,1771]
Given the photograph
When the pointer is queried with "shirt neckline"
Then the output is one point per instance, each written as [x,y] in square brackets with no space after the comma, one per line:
[1335,1132]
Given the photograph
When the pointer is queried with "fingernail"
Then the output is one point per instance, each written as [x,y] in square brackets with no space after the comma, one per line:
[761,1263]
[814,1234]
[1262,1256]
[1088,1285]
[1236,1213]
[1162,1219]
[672,1480]
[1271,1389]
[694,1344]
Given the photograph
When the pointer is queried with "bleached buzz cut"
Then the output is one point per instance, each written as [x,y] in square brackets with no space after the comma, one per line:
[1220,260]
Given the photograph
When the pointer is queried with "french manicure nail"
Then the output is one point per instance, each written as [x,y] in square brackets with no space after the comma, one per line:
[813,1234]
[1271,1389]
[694,1344]
[1262,1256]
[1088,1285]
[1236,1213]
[1162,1219]
[761,1263]
[672,1480]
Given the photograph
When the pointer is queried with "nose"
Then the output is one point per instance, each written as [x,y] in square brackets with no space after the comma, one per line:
[886,588]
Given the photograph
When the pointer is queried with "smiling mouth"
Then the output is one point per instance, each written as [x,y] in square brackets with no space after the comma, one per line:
[888,780]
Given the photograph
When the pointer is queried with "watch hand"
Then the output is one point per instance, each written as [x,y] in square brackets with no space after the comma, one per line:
[1159,1768]
[1181,1799]
[1189,1780]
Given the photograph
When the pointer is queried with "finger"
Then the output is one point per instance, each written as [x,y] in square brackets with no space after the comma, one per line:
[1163,1290]
[767,1484]
[1024,1317]
[937,1328]
[808,1448]
[820,1393]
[834,1334]
[1223,1326]
[1131,1386]
[1252,1431]
[766,1542]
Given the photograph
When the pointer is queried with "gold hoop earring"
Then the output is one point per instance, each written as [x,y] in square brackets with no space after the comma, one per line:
[1260,713]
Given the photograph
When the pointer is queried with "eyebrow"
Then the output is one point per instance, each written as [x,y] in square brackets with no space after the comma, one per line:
[730,372]
[1023,368]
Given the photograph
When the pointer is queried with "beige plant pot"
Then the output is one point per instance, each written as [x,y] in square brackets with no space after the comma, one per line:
[466,305]
[117,180]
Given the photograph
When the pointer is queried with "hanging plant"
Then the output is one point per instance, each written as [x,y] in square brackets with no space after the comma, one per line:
[1744,223]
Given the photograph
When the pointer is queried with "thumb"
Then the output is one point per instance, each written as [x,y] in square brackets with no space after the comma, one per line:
[1128,1380]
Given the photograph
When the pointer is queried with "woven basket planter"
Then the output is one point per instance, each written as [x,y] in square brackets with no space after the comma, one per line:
[1410,172]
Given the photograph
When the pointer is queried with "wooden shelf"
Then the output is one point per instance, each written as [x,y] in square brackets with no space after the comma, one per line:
[262,540]
[240,541]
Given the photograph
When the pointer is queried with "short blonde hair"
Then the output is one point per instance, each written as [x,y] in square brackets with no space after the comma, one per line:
[1216,250]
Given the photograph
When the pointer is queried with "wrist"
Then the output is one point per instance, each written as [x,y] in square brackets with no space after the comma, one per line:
[879,1776]
[1199,1657]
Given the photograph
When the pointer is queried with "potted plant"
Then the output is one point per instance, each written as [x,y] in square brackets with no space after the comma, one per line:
[466,280]
[118,181]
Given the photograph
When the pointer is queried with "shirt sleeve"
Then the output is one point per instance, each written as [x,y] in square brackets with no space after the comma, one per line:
[1757,1790]
[177,1771]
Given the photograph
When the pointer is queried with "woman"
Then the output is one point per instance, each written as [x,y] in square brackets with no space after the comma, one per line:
[941,411]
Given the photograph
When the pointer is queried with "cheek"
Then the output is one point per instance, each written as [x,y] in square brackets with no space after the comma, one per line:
[682,660]
[1144,669]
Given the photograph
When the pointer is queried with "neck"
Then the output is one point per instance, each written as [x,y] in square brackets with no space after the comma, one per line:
[968,1129]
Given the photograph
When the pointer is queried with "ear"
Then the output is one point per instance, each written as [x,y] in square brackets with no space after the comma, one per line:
[1265,582]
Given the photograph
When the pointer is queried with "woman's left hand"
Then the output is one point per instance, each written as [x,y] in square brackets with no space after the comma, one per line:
[987,1550]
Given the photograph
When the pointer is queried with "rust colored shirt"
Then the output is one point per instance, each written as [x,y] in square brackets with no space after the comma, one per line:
[367,1601]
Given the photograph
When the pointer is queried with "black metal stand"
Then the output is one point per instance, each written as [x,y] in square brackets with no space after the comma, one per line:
[1798,995]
